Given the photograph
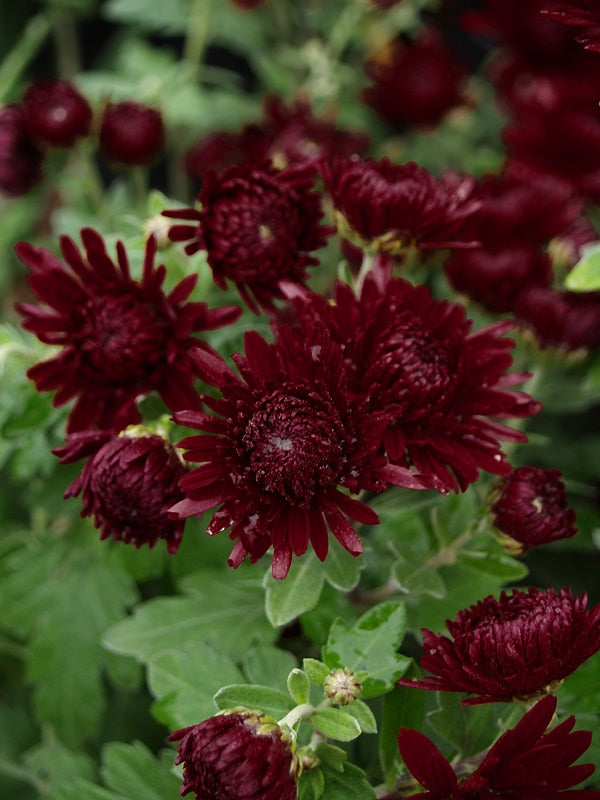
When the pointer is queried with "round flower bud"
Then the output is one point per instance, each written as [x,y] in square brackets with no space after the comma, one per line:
[56,113]
[20,157]
[237,754]
[342,687]
[132,134]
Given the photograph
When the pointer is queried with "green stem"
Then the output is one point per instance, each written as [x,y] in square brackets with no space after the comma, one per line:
[28,44]
[66,45]
[20,773]
[298,713]
[195,43]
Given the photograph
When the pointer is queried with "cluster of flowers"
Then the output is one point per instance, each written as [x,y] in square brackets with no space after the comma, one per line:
[55,114]
[379,384]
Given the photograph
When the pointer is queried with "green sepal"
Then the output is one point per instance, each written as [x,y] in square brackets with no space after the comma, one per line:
[316,670]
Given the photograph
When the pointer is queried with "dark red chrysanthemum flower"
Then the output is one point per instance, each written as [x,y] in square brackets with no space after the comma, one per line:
[413,356]
[390,207]
[527,762]
[288,436]
[564,320]
[258,225]
[20,156]
[131,133]
[128,484]
[120,338]
[582,14]
[286,135]
[415,83]
[514,648]
[237,754]
[530,508]
[56,113]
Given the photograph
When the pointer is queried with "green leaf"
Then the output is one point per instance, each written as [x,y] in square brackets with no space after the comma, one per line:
[363,715]
[77,789]
[342,570]
[268,665]
[585,275]
[225,611]
[56,764]
[311,784]
[336,724]
[317,671]
[133,771]
[498,565]
[332,755]
[300,591]
[417,580]
[255,698]
[403,707]
[349,784]
[298,686]
[184,681]
[171,18]
[371,645]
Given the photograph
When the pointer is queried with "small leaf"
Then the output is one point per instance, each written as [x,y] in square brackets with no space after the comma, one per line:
[342,570]
[317,671]
[371,645]
[402,708]
[254,698]
[268,665]
[300,591]
[498,565]
[298,686]
[311,784]
[336,724]
[134,772]
[349,784]
[363,715]
[332,755]
[585,275]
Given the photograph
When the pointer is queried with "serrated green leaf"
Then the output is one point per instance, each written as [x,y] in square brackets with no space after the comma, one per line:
[336,724]
[349,784]
[255,698]
[77,789]
[299,592]
[417,580]
[268,665]
[298,686]
[133,771]
[311,784]
[184,681]
[56,764]
[317,671]
[371,645]
[363,715]
[585,275]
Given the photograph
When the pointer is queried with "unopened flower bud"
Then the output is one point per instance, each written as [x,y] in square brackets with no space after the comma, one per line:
[342,687]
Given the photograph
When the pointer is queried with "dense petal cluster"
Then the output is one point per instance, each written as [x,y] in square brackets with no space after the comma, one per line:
[120,338]
[236,754]
[131,133]
[517,647]
[258,225]
[415,359]
[390,207]
[289,435]
[415,83]
[56,113]
[127,484]
[530,508]
[563,320]
[527,762]
[21,158]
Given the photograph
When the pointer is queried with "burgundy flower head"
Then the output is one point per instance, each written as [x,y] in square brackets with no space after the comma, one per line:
[413,356]
[286,135]
[514,648]
[236,754]
[128,484]
[527,762]
[530,508]
[415,83]
[132,134]
[582,13]
[258,225]
[20,156]
[389,207]
[563,320]
[290,435]
[56,113]
[120,338]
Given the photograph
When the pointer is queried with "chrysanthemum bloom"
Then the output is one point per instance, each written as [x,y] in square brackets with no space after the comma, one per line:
[120,338]
[132,134]
[20,156]
[415,83]
[584,14]
[563,320]
[415,359]
[289,435]
[128,484]
[527,762]
[530,508]
[56,113]
[514,648]
[258,226]
[237,754]
[389,207]
[286,134]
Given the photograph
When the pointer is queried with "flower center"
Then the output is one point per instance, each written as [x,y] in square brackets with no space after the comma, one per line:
[294,443]
[120,339]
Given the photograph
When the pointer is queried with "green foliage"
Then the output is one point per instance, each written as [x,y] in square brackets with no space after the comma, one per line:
[585,275]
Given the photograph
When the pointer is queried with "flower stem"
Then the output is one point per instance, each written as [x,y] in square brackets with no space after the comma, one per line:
[195,43]
[298,713]
[30,41]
